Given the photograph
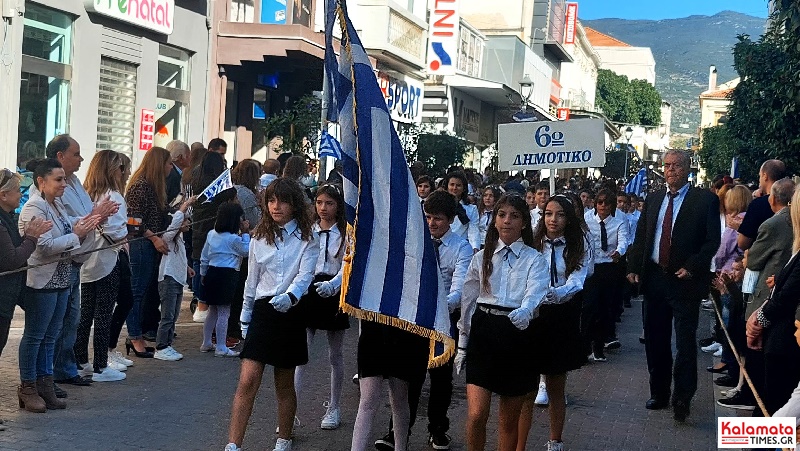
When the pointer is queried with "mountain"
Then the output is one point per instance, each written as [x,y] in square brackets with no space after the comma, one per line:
[684,49]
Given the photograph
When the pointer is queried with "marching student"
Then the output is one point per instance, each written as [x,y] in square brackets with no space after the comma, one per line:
[559,346]
[465,224]
[320,305]
[283,256]
[424,187]
[506,282]
[219,268]
[485,208]
[172,276]
[536,197]
[453,254]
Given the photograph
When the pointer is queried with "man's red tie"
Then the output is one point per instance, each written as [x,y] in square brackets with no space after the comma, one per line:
[666,233]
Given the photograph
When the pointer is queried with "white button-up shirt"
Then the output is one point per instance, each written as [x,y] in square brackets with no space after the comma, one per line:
[175,263]
[519,277]
[616,234]
[224,250]
[565,287]
[469,231]
[676,208]
[455,254]
[330,245]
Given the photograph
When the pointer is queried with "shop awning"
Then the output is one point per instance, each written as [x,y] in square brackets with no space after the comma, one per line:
[496,94]
[240,42]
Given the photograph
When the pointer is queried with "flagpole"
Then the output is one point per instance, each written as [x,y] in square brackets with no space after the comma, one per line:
[322,168]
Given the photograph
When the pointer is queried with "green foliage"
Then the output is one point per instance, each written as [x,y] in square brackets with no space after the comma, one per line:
[438,150]
[298,126]
[764,116]
[627,101]
[718,149]
[615,163]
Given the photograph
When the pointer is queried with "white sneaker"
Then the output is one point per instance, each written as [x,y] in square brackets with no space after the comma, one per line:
[331,419]
[713,347]
[541,397]
[176,353]
[283,445]
[204,348]
[167,354]
[108,375]
[553,445]
[718,352]
[117,366]
[232,447]
[86,370]
[117,356]
[199,316]
[730,393]
[227,352]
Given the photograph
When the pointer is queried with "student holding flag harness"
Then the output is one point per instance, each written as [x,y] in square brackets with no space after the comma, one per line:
[506,282]
[283,253]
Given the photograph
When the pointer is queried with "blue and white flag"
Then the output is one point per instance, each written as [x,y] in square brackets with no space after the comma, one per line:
[329,146]
[390,275]
[638,183]
[219,185]
[735,168]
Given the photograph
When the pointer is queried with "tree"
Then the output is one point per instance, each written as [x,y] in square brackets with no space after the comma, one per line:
[438,150]
[298,126]
[718,149]
[627,101]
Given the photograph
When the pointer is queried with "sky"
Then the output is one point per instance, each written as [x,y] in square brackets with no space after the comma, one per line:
[665,9]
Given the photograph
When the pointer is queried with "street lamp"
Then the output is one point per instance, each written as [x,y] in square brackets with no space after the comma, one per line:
[628,136]
[525,91]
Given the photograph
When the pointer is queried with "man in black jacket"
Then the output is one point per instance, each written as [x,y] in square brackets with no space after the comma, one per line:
[676,238]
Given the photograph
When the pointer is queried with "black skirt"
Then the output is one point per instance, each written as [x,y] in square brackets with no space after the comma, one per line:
[219,285]
[499,356]
[556,334]
[274,338]
[387,351]
[323,313]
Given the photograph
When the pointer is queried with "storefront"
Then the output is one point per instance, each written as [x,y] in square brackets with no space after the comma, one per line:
[123,75]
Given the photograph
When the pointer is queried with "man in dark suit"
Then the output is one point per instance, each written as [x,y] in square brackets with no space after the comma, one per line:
[676,238]
[179,152]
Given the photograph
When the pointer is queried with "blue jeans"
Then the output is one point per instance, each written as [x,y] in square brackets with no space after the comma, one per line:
[197,287]
[44,317]
[144,271]
[65,365]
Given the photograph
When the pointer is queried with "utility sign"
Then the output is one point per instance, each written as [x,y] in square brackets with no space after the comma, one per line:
[443,37]
[578,143]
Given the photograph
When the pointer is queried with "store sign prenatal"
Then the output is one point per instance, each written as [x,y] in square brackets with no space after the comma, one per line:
[156,15]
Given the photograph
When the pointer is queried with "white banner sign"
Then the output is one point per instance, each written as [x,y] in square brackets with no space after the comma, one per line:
[155,15]
[578,143]
[443,37]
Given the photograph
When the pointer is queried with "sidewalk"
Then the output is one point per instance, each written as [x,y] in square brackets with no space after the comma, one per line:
[186,405]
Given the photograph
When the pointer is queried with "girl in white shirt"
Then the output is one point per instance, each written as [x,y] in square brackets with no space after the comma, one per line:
[557,337]
[465,224]
[219,270]
[505,284]
[485,208]
[283,255]
[321,304]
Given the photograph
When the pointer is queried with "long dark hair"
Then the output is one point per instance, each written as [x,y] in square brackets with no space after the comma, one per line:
[493,236]
[463,178]
[229,218]
[289,191]
[212,166]
[573,234]
[335,193]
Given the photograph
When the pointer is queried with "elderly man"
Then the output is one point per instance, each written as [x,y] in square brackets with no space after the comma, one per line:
[676,237]
[768,254]
[179,152]
[77,203]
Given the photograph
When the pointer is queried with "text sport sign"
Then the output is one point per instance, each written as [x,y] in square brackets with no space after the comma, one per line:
[577,143]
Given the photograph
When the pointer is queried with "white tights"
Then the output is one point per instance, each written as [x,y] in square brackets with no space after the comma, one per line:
[371,388]
[217,318]
[335,343]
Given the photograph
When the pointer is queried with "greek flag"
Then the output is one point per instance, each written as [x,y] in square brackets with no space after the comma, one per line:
[735,168]
[391,275]
[638,183]
[219,185]
[329,146]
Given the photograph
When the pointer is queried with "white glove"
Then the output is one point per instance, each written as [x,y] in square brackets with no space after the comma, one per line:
[244,327]
[453,302]
[551,297]
[460,360]
[325,289]
[247,310]
[281,302]
[521,317]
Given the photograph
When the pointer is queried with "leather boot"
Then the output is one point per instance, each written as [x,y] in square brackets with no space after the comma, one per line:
[44,386]
[29,399]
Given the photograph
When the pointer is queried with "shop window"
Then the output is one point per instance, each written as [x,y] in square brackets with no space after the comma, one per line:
[45,80]
[172,100]
[116,114]
[242,11]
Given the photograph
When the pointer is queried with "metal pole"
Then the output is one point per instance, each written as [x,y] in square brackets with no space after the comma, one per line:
[625,170]
[323,172]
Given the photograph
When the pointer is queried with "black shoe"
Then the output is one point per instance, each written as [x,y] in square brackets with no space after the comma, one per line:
[706,341]
[439,440]
[656,404]
[613,344]
[60,393]
[712,369]
[76,380]
[385,443]
[680,410]
[726,381]
[642,340]
[627,304]
[738,401]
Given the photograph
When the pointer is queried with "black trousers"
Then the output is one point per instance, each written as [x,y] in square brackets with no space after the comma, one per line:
[124,299]
[781,375]
[601,295]
[97,305]
[234,330]
[5,327]
[668,299]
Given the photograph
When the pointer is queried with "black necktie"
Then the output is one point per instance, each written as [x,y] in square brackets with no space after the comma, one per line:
[436,243]
[327,234]
[507,256]
[553,266]
[603,236]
